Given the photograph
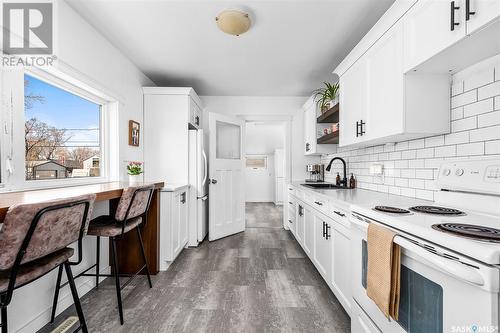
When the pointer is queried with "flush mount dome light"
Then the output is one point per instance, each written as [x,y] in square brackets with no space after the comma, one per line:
[233,21]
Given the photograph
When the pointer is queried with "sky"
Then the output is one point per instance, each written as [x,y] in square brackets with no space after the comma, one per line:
[62,109]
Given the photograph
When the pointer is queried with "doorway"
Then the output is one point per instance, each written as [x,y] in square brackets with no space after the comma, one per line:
[264,173]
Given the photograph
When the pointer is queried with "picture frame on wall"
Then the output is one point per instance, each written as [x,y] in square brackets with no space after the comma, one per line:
[134,131]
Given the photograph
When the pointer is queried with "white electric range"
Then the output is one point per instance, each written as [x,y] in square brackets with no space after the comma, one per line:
[450,274]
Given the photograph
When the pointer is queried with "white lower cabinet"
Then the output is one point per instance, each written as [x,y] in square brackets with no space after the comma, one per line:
[308,245]
[292,214]
[173,224]
[323,245]
[323,232]
[299,235]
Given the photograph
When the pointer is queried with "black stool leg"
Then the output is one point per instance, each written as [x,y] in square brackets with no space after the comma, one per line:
[98,253]
[144,256]
[117,279]
[4,319]
[76,299]
[56,294]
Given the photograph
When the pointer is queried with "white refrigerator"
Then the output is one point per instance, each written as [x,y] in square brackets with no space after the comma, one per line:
[198,179]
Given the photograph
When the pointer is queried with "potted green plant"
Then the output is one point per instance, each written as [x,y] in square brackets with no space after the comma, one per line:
[327,96]
[134,170]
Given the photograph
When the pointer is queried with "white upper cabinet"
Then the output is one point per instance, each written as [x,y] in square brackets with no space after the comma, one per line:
[353,104]
[385,83]
[480,12]
[430,27]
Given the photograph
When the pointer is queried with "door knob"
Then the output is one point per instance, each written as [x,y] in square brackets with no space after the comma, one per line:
[214,181]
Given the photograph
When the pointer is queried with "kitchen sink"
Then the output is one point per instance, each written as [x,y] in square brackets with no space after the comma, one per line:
[325,186]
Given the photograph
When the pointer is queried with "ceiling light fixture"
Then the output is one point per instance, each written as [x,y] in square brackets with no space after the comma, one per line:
[233,21]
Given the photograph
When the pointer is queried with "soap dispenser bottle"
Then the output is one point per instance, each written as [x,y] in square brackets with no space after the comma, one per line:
[337,179]
[352,182]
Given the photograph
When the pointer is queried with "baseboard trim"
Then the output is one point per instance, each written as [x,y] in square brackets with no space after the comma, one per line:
[83,285]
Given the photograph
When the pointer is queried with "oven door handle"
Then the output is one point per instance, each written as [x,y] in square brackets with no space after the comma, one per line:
[453,267]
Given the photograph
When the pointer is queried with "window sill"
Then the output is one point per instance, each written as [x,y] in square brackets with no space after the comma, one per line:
[51,183]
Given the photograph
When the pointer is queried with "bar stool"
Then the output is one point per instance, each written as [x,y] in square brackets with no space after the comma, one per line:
[131,214]
[34,240]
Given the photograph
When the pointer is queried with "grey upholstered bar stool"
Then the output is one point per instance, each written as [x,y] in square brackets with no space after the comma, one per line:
[131,214]
[34,240]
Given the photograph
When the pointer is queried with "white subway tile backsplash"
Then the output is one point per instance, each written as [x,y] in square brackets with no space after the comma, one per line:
[492,147]
[425,153]
[479,79]
[470,149]
[415,144]
[456,138]
[488,91]
[411,167]
[463,99]
[445,151]
[464,124]
[488,119]
[478,108]
[424,174]
[457,113]
[434,141]
[486,133]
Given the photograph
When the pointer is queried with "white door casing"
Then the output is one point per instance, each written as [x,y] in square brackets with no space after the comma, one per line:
[226,176]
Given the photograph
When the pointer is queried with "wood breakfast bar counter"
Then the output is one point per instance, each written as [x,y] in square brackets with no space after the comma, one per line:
[128,246]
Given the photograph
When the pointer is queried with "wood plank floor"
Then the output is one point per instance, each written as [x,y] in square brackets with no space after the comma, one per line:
[256,281]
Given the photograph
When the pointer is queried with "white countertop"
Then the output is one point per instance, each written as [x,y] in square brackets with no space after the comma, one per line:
[347,197]
[172,187]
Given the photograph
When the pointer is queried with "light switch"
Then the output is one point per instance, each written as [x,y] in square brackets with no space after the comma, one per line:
[376,169]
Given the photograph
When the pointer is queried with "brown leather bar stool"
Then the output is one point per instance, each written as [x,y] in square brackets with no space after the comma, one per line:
[131,214]
[34,240]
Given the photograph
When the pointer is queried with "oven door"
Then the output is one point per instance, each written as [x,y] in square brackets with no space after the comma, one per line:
[440,290]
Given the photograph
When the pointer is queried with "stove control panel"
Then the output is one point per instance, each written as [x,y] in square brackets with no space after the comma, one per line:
[470,176]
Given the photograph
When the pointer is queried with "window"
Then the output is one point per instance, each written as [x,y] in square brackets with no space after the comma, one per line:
[57,130]
[62,132]
[256,162]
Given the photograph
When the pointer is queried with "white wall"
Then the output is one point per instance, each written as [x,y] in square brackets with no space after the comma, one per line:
[83,52]
[287,108]
[262,138]
[411,166]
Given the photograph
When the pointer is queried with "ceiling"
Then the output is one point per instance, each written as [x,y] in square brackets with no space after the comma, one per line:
[290,49]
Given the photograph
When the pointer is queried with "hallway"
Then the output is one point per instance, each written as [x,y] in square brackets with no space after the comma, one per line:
[256,281]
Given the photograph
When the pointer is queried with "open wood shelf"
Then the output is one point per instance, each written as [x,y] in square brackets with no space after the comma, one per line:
[330,116]
[329,138]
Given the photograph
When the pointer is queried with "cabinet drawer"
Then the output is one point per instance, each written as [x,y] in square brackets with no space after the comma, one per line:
[291,190]
[321,204]
[340,216]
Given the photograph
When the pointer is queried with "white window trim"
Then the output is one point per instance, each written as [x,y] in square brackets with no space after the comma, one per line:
[108,136]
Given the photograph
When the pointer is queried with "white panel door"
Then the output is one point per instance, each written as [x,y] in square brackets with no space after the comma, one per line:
[428,29]
[385,84]
[323,245]
[308,231]
[226,190]
[480,12]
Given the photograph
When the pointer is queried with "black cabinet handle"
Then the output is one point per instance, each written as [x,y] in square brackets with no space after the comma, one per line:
[360,128]
[327,228]
[290,221]
[291,203]
[324,229]
[318,203]
[300,210]
[197,120]
[452,16]
[183,197]
[468,12]
[308,146]
[339,213]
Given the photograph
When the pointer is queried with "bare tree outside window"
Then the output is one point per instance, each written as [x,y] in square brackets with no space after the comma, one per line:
[62,133]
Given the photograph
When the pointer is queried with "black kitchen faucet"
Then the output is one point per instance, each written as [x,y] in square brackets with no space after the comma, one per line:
[344,180]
